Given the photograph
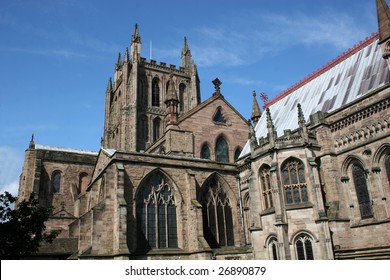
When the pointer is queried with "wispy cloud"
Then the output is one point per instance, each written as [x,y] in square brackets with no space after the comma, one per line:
[64,53]
[245,39]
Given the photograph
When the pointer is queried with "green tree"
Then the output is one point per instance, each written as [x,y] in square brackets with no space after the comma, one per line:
[22,228]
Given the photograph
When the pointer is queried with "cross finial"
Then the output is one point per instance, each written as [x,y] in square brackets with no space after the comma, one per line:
[217,83]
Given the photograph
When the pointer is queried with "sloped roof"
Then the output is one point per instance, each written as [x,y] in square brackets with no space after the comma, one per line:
[350,76]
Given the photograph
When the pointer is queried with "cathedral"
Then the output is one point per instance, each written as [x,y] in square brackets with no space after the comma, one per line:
[178,178]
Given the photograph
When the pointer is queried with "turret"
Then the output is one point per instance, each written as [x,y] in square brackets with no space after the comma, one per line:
[186,58]
[136,45]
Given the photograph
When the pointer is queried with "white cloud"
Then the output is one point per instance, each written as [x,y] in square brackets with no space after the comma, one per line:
[11,163]
[249,36]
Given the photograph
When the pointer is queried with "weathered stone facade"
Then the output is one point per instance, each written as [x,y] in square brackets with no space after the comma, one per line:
[174,178]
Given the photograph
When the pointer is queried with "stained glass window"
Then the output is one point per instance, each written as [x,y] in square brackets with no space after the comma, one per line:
[221,150]
[295,187]
[303,247]
[156,215]
[205,153]
[217,215]
[360,182]
[265,181]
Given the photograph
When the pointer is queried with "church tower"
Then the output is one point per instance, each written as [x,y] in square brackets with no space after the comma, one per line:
[383,12]
[135,99]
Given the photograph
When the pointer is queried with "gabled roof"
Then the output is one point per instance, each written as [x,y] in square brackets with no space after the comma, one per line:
[205,104]
[350,76]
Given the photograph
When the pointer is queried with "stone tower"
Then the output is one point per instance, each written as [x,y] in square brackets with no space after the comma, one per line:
[136,111]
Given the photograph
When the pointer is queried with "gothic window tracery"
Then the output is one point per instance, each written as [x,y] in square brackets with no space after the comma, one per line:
[265,181]
[295,187]
[217,215]
[273,248]
[304,247]
[221,150]
[156,215]
[363,197]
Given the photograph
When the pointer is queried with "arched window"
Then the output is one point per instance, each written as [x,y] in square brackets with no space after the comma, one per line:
[155,92]
[83,182]
[265,181]
[221,150]
[205,152]
[237,153]
[387,167]
[156,128]
[273,248]
[294,182]
[217,215]
[56,181]
[304,247]
[182,89]
[156,215]
[360,182]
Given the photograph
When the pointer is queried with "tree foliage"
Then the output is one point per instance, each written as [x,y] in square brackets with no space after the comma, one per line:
[22,228]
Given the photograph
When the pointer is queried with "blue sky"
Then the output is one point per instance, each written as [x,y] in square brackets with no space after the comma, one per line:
[56,57]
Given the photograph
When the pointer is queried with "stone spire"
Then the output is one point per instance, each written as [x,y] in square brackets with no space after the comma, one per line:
[256,113]
[271,129]
[135,45]
[186,58]
[136,38]
[119,61]
[126,57]
[383,13]
[109,86]
[302,123]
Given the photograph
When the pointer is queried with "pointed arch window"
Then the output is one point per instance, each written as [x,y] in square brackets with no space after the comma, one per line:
[156,128]
[155,92]
[295,187]
[182,89]
[304,247]
[217,215]
[363,197]
[56,181]
[221,150]
[387,167]
[205,152]
[273,248]
[156,215]
[265,181]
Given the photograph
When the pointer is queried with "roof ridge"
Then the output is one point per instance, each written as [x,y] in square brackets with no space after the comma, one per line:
[351,51]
